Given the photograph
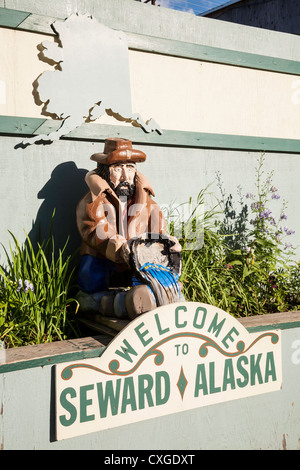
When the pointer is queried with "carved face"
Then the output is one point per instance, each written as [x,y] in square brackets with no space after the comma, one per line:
[122,176]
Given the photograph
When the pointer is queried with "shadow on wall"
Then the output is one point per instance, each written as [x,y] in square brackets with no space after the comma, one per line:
[235,221]
[61,194]
[234,224]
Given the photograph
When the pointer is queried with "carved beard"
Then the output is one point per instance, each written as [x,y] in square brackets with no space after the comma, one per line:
[125,189]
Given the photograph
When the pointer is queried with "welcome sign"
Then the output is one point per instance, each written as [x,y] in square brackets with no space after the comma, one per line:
[172,359]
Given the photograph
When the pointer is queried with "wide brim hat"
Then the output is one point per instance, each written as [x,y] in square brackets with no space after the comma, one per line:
[118,150]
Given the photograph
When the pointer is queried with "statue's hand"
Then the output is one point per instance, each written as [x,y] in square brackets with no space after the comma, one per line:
[176,247]
[125,253]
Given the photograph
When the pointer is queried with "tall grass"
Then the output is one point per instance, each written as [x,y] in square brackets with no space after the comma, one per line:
[35,304]
[245,267]
[242,266]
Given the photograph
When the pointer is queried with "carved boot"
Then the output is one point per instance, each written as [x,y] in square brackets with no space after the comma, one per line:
[107,304]
[120,310]
[139,300]
[90,303]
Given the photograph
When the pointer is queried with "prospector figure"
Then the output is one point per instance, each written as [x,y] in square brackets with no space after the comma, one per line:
[116,219]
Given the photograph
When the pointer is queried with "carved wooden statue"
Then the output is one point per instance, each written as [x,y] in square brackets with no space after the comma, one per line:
[124,239]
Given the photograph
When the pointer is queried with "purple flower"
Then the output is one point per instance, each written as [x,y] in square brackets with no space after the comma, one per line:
[249,196]
[283,216]
[290,232]
[265,214]
[28,285]
[273,189]
[275,196]
[254,206]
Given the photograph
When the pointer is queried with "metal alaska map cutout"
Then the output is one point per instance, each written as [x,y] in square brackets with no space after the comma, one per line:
[91,77]
[175,358]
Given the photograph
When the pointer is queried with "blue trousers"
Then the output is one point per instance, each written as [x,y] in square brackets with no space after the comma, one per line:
[98,274]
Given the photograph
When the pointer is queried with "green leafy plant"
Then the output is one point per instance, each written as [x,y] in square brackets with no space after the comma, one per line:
[35,304]
[243,266]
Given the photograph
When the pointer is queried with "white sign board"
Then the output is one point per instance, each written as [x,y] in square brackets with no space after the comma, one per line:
[172,359]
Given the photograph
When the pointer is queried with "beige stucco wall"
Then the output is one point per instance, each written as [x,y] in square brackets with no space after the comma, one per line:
[181,94]
[20,66]
[197,96]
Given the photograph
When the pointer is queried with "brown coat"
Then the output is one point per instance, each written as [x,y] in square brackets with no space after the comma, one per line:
[102,228]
